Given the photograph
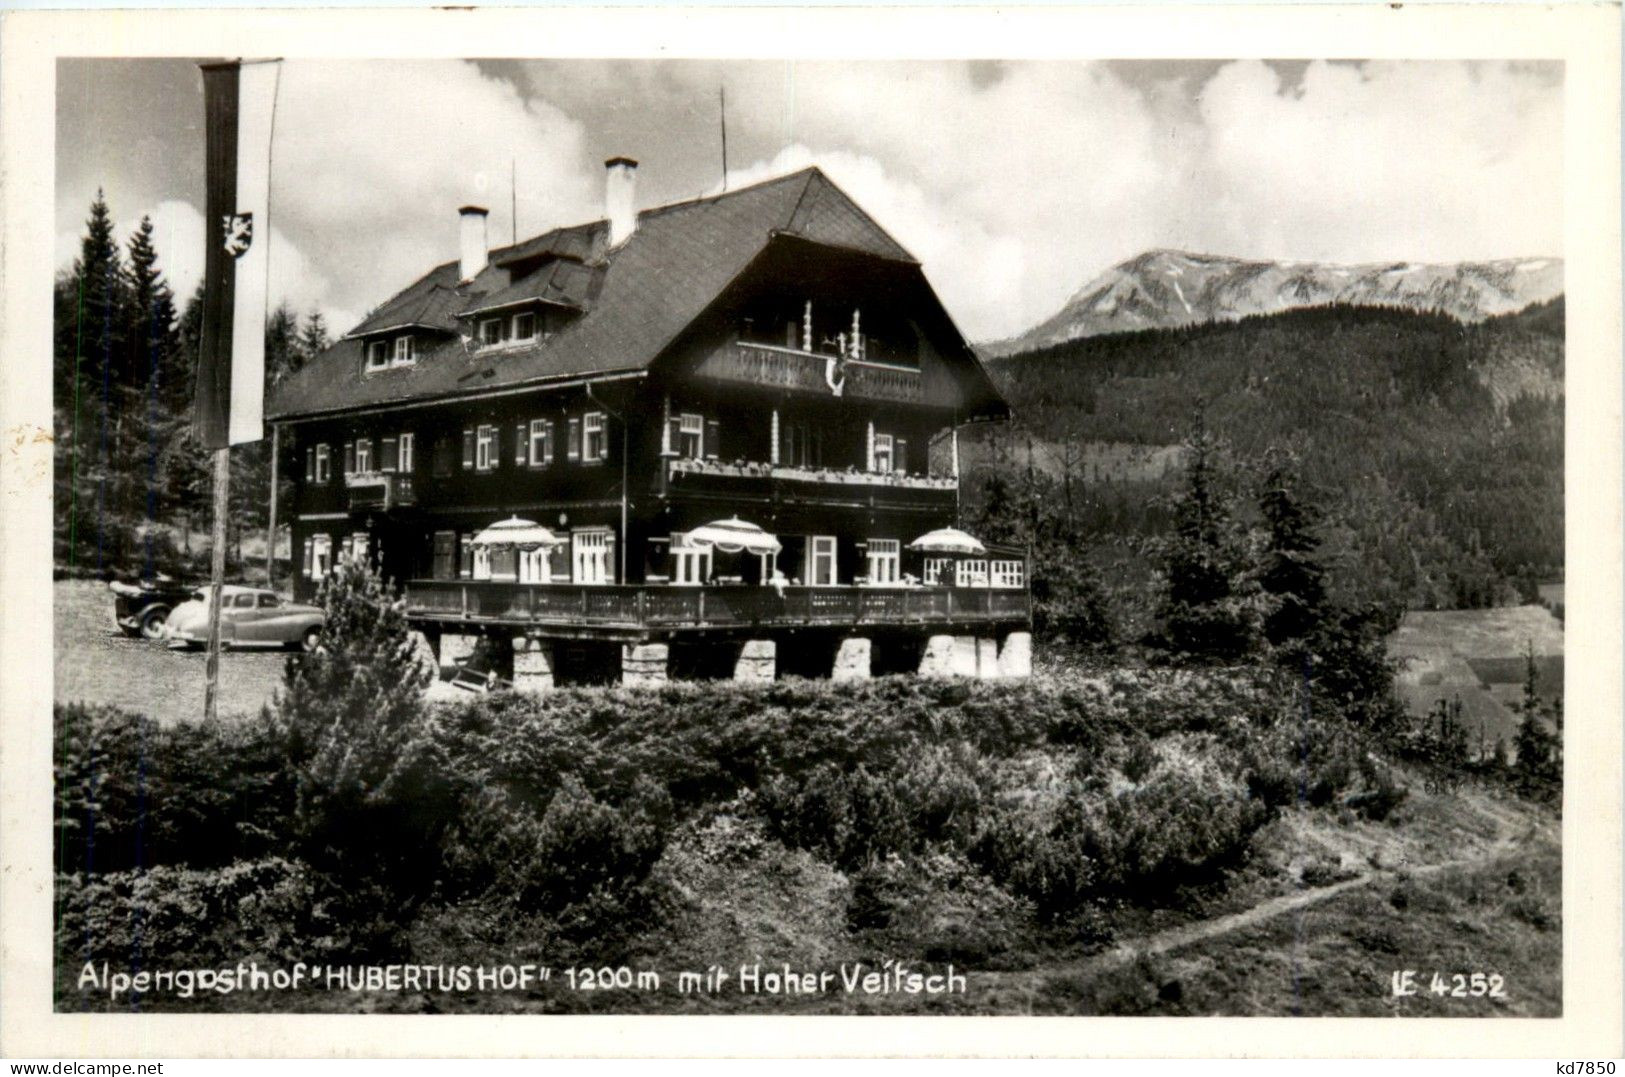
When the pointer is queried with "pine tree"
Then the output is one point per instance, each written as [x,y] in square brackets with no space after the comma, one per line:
[282,344]
[1536,763]
[1206,609]
[357,734]
[89,384]
[1291,576]
[153,348]
[313,338]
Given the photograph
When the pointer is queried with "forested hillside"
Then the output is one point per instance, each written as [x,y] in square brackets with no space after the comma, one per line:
[1435,447]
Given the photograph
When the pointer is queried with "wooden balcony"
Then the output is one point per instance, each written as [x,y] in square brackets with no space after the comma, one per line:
[378,490]
[781,482]
[789,368]
[643,611]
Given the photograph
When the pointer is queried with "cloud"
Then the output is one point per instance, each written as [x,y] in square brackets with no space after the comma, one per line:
[1014,183]
[372,160]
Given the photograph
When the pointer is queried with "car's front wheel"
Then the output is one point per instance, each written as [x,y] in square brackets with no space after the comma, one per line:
[152,622]
[310,640]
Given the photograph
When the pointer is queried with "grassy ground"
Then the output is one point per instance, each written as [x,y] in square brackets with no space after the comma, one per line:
[96,663]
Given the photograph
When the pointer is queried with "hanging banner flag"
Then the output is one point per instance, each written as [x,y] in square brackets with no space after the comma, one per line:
[239,101]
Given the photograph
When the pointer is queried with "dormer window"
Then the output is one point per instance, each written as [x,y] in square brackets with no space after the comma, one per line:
[406,350]
[377,355]
[491,330]
[524,326]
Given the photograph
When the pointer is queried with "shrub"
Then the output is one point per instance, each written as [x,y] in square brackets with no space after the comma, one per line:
[265,910]
[131,793]
[1175,829]
[374,786]
[552,856]
[1308,762]
[937,906]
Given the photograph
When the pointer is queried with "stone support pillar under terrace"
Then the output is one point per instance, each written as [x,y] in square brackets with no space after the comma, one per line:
[644,664]
[938,659]
[1016,656]
[532,665]
[854,660]
[758,661]
[987,657]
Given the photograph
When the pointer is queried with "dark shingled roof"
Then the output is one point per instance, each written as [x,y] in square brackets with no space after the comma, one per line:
[679,259]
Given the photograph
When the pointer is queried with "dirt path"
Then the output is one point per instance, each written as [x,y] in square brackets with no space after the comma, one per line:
[1514,828]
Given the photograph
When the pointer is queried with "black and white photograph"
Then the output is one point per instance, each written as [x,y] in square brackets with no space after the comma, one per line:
[826,535]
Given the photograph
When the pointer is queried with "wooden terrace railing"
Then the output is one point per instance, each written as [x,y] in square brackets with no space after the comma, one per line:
[662,607]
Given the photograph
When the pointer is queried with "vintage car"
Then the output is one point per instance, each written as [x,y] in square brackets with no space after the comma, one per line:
[139,609]
[249,617]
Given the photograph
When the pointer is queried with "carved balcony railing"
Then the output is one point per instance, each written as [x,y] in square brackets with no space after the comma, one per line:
[747,469]
[789,368]
[379,490]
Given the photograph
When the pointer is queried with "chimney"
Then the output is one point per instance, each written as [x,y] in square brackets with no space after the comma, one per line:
[474,252]
[620,204]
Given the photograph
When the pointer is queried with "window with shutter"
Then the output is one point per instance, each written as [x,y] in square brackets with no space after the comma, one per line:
[388,454]
[407,444]
[310,549]
[594,444]
[541,447]
[324,463]
[713,439]
[310,464]
[572,442]
[349,457]
[465,557]
[521,445]
[900,453]
[689,436]
[486,448]
[468,449]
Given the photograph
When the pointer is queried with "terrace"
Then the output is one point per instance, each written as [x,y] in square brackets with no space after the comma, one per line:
[642,612]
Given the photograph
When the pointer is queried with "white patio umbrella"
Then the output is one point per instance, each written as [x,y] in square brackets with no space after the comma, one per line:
[732,535]
[516,534]
[948,540]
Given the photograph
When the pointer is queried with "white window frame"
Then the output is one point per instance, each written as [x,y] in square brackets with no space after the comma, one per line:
[491,331]
[403,454]
[321,564]
[377,354]
[535,566]
[690,425]
[517,335]
[971,572]
[482,563]
[691,565]
[592,551]
[485,447]
[1007,574]
[883,453]
[936,570]
[324,463]
[885,562]
[594,437]
[363,455]
[405,352]
[820,547]
[541,442]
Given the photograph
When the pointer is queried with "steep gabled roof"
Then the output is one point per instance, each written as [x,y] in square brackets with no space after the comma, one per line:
[677,261]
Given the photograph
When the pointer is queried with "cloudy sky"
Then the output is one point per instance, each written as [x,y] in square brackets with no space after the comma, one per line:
[1014,183]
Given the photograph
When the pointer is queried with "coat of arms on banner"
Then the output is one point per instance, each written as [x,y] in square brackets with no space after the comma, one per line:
[239,229]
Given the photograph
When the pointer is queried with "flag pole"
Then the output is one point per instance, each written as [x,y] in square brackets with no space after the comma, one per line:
[217,579]
[270,542]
